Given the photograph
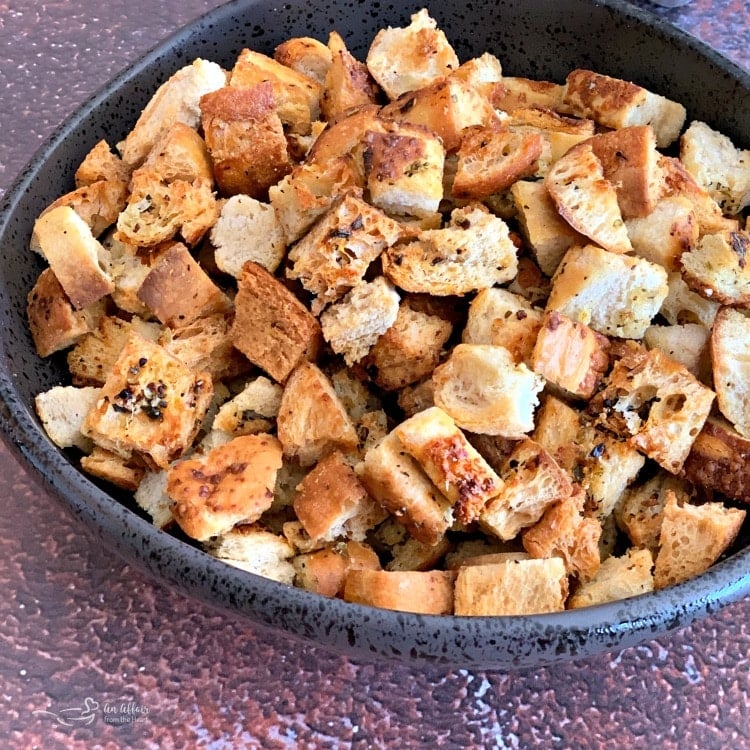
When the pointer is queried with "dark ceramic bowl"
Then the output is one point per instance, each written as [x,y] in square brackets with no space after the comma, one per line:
[535,38]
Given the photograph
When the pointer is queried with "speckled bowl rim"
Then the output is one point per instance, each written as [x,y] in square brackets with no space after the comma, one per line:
[359,631]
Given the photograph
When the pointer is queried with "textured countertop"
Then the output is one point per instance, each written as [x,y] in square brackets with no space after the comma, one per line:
[82,634]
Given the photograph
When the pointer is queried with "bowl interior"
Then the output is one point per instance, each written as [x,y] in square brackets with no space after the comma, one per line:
[543,39]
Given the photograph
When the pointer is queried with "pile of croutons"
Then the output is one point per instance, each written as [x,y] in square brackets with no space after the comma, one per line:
[408,331]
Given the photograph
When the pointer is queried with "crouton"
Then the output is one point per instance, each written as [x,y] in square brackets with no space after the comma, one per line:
[719,460]
[62,410]
[53,321]
[343,135]
[482,74]
[405,552]
[324,571]
[176,100]
[245,138]
[312,420]
[586,199]
[657,402]
[512,587]
[429,592]
[619,104]
[150,405]
[397,482]
[730,354]
[558,428]
[178,291]
[151,496]
[517,92]
[247,230]
[306,55]
[331,502]
[616,295]
[334,256]
[670,230]
[353,325]
[416,398]
[100,163]
[717,267]
[180,154]
[485,391]
[490,160]
[717,165]
[693,538]
[252,410]
[532,482]
[617,578]
[271,327]
[410,58]
[409,350]
[450,461]
[404,167]
[570,355]
[125,473]
[66,242]
[682,305]
[347,83]
[473,252]
[256,550]
[686,343]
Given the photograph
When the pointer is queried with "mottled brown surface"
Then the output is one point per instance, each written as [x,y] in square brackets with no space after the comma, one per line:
[75,622]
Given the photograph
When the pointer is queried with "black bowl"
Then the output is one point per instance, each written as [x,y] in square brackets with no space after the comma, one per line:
[539,39]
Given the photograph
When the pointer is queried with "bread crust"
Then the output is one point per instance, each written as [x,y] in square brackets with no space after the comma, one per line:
[429,592]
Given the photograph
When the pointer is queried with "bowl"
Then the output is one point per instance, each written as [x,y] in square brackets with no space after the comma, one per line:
[541,39]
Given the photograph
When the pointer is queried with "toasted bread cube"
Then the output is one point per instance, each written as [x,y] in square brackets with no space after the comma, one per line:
[670,230]
[331,502]
[178,291]
[407,553]
[245,138]
[482,74]
[571,355]
[410,58]
[512,587]
[586,199]
[230,485]
[473,252]
[122,472]
[101,164]
[545,231]
[180,154]
[151,405]
[532,482]
[620,104]
[272,328]
[447,107]
[692,539]
[66,241]
[640,510]
[353,325]
[409,350]
[252,410]
[687,344]
[343,136]
[616,295]
[247,230]
[397,482]
[682,305]
[658,403]
[324,571]
[151,496]
[563,531]
[416,398]
[717,269]
[730,354]
[334,256]
[490,160]
[405,170]
[717,165]
[176,100]
[521,93]
[256,550]
[429,592]
[559,428]
[295,94]
[450,461]
[312,420]
[617,578]
[347,83]
[305,55]
[62,410]
[485,391]
[53,321]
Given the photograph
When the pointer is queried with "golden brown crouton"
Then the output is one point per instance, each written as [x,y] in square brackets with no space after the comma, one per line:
[272,328]
[180,154]
[730,354]
[324,571]
[482,74]
[126,473]
[686,343]
[429,592]
[683,305]
[570,355]
[101,164]
[416,398]
[151,405]
[517,93]
[252,410]
[62,410]
[231,484]
[312,420]
[305,55]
